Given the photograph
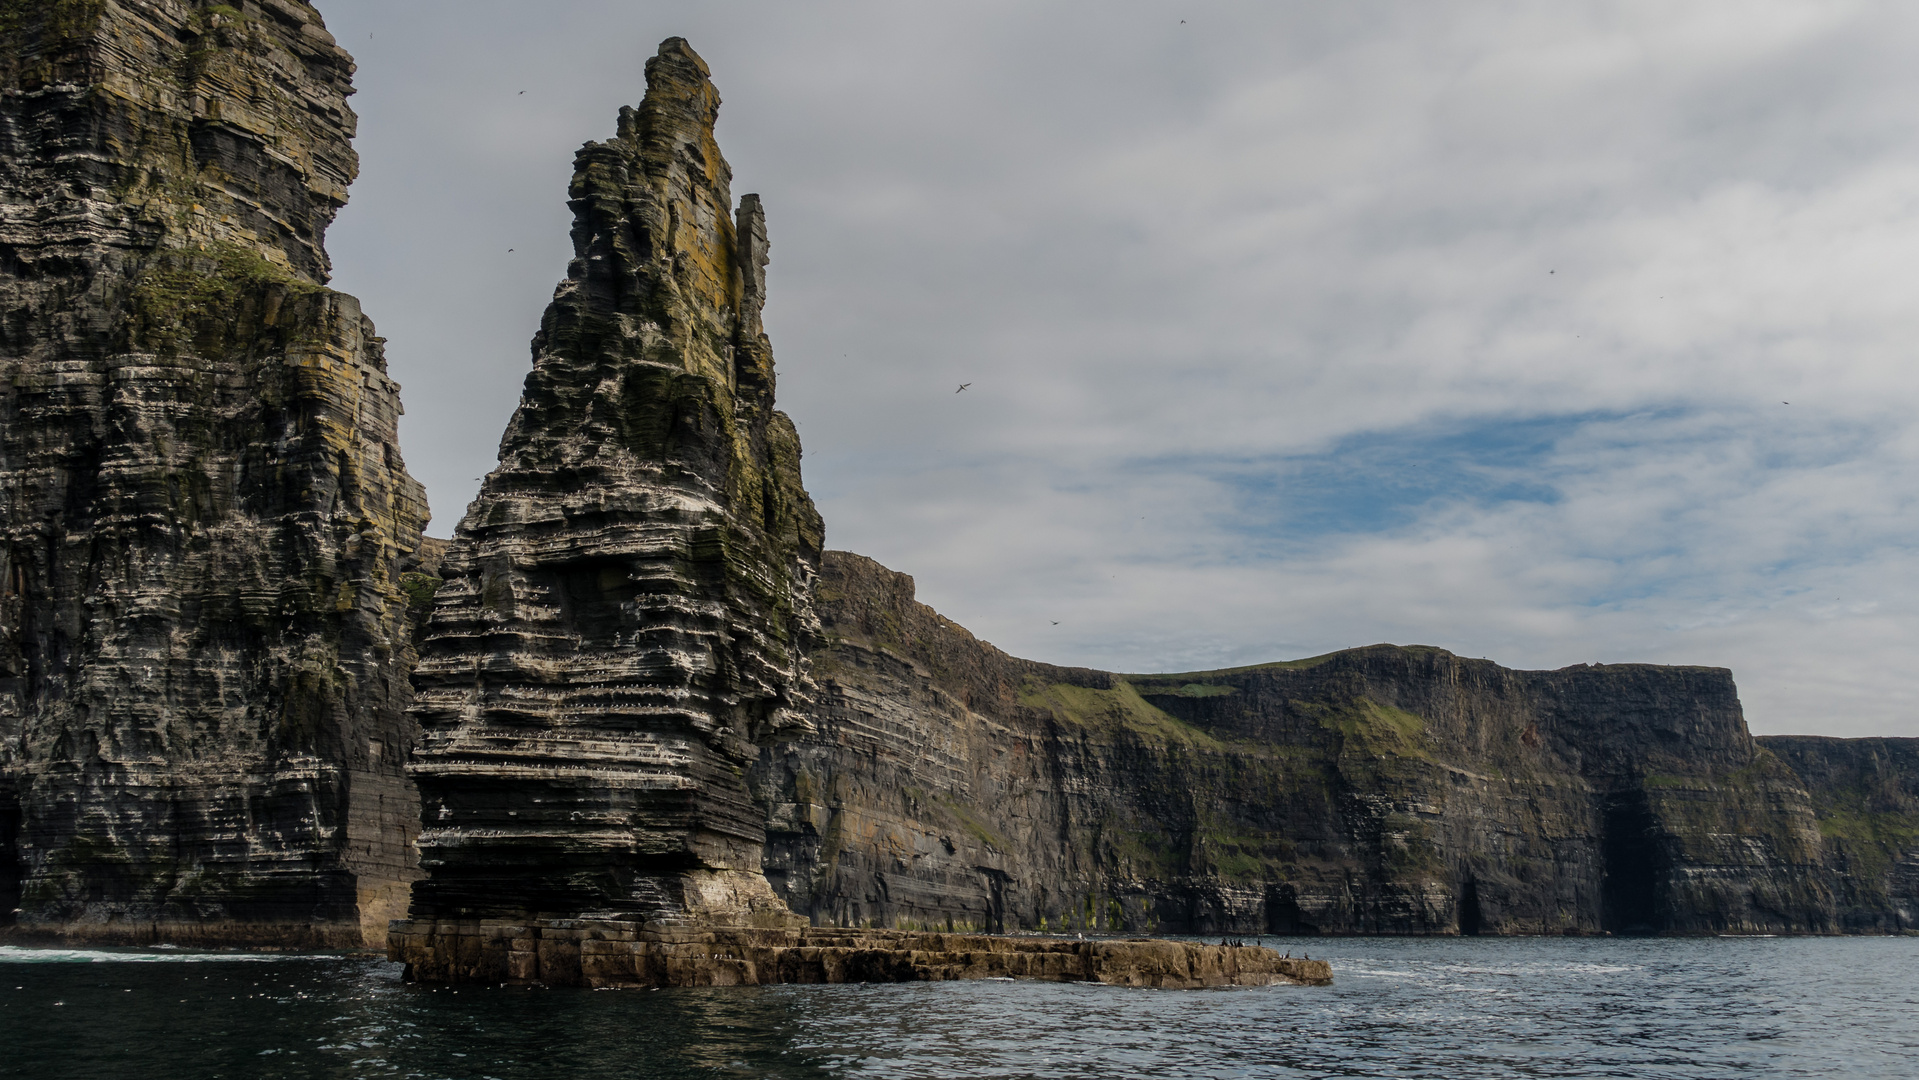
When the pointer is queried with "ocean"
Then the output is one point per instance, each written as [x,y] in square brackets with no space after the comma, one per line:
[1399,1007]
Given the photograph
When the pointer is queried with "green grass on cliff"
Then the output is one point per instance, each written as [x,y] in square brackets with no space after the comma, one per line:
[1118,709]
[1223,851]
[419,589]
[969,820]
[1175,679]
[1872,836]
[1872,841]
[1366,726]
[63,21]
[196,292]
[1204,690]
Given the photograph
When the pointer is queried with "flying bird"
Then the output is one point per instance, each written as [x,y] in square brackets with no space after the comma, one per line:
[522,91]
[1055,622]
[963,386]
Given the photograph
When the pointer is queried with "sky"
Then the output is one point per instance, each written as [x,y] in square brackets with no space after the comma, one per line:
[1546,333]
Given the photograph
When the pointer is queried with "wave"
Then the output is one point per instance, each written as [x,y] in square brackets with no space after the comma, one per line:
[164,954]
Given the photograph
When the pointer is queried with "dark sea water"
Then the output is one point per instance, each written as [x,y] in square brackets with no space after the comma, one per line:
[1482,1007]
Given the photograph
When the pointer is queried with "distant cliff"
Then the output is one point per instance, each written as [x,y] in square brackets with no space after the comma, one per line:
[1865,796]
[204,517]
[1380,790]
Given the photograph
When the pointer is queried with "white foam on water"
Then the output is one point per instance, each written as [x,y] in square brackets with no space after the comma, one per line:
[28,954]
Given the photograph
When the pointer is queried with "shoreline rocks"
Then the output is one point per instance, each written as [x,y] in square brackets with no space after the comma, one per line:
[633,954]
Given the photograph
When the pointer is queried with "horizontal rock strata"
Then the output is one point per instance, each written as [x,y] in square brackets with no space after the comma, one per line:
[625,954]
[212,576]
[1865,798]
[204,517]
[1380,790]
[625,604]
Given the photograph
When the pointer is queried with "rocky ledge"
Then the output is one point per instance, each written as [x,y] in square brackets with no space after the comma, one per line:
[633,954]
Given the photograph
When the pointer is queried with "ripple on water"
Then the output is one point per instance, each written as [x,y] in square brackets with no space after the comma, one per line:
[1400,1007]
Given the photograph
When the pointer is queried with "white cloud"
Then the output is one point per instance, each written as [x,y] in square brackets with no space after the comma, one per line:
[1224,288]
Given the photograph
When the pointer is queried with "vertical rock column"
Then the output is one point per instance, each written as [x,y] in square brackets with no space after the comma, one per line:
[203,511]
[626,601]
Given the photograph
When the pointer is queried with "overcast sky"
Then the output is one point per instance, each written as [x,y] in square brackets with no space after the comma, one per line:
[1290,327]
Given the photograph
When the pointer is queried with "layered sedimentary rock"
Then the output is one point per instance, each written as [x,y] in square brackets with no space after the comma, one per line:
[204,517]
[625,605]
[212,576]
[1865,795]
[629,955]
[625,615]
[1380,790]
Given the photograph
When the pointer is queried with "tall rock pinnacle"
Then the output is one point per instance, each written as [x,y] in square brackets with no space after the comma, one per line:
[626,601]
[203,513]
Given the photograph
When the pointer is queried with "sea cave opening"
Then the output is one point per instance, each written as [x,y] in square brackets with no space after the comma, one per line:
[1471,921]
[1283,914]
[1631,867]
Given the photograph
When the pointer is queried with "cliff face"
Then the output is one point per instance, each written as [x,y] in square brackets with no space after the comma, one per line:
[203,512]
[633,701]
[626,602]
[1380,790]
[1865,795]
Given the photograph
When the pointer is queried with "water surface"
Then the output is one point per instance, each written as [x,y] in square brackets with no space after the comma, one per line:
[1485,1007]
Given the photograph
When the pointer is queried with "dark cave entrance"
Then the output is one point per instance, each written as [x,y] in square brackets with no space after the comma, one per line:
[1632,865]
[1283,916]
[996,880]
[1471,921]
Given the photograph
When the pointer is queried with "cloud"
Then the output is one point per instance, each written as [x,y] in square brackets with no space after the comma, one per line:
[1290,328]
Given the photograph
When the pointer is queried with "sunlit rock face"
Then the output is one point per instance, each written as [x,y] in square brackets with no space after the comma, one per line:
[204,517]
[627,601]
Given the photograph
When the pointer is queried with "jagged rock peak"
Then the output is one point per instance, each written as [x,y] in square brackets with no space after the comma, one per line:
[628,599]
[204,517]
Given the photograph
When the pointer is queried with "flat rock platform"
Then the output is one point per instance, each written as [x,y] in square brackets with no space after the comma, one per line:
[634,954]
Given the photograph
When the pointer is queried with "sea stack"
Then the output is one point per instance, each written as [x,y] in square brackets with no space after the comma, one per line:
[625,619]
[204,517]
[625,605]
